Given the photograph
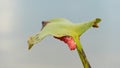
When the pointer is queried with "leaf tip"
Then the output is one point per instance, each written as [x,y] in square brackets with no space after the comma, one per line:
[95,24]
[30,44]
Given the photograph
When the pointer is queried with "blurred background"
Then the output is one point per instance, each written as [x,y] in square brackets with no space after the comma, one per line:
[19,19]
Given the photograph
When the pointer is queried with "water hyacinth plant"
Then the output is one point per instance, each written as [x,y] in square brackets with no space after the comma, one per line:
[67,32]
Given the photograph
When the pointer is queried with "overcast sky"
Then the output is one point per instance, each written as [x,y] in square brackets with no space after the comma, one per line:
[20,19]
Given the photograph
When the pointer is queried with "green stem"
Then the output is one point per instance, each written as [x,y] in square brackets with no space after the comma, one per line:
[82,54]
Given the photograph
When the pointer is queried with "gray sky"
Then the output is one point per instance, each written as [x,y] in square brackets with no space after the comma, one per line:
[20,19]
